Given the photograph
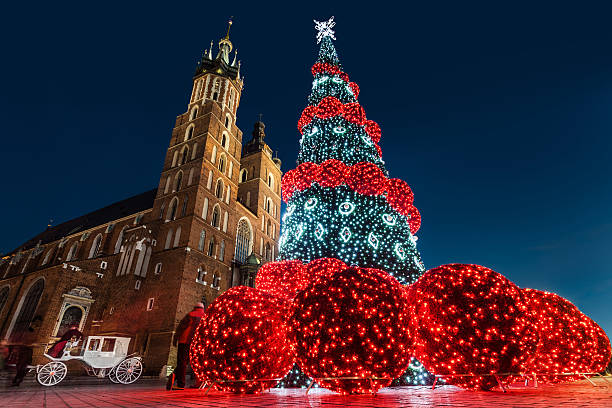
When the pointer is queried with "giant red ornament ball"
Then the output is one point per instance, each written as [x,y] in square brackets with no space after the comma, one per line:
[283,279]
[352,324]
[242,336]
[570,342]
[470,320]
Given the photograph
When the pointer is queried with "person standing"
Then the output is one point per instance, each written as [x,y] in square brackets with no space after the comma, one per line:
[182,338]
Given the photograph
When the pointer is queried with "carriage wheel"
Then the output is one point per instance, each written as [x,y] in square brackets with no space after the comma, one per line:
[112,375]
[51,373]
[129,370]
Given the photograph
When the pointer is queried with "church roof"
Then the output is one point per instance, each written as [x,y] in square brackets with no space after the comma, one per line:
[102,216]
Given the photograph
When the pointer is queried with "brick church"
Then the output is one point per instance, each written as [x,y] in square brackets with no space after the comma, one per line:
[136,267]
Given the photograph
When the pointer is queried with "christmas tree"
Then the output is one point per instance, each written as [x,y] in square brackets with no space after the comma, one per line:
[340,202]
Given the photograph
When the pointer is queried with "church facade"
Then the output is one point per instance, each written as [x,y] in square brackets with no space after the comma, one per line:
[136,267]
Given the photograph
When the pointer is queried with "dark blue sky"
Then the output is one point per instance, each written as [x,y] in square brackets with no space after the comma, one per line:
[498,116]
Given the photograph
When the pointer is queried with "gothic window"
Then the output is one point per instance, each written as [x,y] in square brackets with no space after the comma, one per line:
[95,246]
[231,98]
[271,181]
[213,156]
[190,179]
[224,140]
[216,280]
[72,252]
[194,151]
[222,163]
[243,241]
[201,241]
[184,209]
[194,111]
[201,275]
[29,304]
[174,158]
[219,189]
[145,265]
[243,175]
[227,121]
[161,212]
[268,253]
[172,209]
[122,233]
[198,92]
[211,247]
[168,239]
[184,155]
[269,228]
[45,260]
[189,132]
[205,208]
[216,90]
[216,216]
[72,317]
[4,292]
[222,250]
[177,237]
[178,181]
[269,206]
[167,187]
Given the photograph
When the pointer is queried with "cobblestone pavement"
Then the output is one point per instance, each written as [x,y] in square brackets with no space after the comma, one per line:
[152,394]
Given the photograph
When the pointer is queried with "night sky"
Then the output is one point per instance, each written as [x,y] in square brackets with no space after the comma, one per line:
[498,116]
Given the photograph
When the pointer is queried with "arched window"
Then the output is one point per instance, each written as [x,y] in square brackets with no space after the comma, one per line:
[120,238]
[174,158]
[189,132]
[4,292]
[222,159]
[269,205]
[194,111]
[231,98]
[184,208]
[198,91]
[172,210]
[269,228]
[27,308]
[190,179]
[168,239]
[167,187]
[178,181]
[227,121]
[268,253]
[244,175]
[194,151]
[72,316]
[161,210]
[184,154]
[95,246]
[72,252]
[244,240]
[177,237]
[219,189]
[224,140]
[211,247]
[45,260]
[216,216]
[216,90]
[201,241]
[213,156]
[216,280]
[222,250]
[271,181]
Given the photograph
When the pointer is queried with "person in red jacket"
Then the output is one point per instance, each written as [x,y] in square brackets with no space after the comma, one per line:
[183,337]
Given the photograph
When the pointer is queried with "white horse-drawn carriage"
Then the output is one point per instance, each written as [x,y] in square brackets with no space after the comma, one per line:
[102,356]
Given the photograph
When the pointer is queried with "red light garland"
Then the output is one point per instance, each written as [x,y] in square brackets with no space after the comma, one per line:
[468,319]
[353,324]
[242,336]
[570,342]
[355,89]
[354,113]
[373,130]
[365,178]
[331,106]
[283,279]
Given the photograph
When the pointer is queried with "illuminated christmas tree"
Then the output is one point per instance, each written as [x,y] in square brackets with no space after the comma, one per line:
[340,202]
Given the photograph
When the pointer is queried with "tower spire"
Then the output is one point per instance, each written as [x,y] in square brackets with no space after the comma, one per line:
[225,45]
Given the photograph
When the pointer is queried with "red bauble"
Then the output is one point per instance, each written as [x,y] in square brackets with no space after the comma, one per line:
[333,173]
[242,336]
[329,107]
[373,130]
[282,279]
[344,76]
[468,319]
[355,89]
[354,113]
[288,184]
[305,174]
[400,196]
[366,178]
[353,324]
[570,342]
[307,115]
[378,149]
[415,220]
[323,268]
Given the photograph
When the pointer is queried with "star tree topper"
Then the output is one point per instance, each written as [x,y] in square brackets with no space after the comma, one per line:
[324,29]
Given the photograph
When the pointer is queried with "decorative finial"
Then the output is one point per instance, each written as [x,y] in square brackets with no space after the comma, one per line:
[235,55]
[229,25]
[324,29]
